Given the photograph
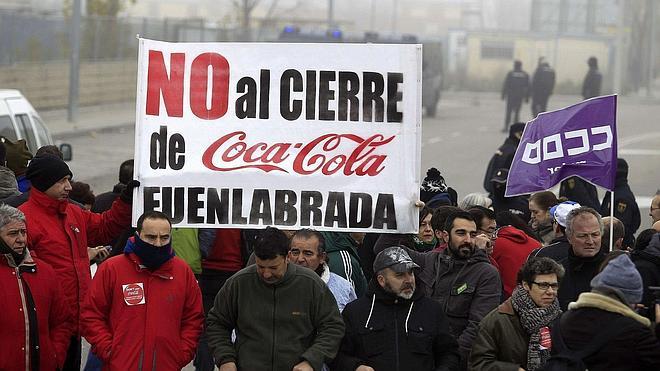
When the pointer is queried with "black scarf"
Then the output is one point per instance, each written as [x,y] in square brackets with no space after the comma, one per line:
[151,256]
[6,250]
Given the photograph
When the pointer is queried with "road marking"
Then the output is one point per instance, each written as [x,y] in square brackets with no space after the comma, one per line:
[435,140]
[640,152]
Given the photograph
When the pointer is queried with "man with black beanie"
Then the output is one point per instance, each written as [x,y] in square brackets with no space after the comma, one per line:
[59,233]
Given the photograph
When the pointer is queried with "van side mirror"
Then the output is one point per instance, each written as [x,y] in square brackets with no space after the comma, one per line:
[67,151]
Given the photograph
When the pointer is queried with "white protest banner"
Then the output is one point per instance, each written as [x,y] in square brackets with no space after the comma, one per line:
[247,135]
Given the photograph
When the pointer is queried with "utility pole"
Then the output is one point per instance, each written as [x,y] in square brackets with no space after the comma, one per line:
[651,10]
[331,14]
[74,63]
[618,65]
[395,10]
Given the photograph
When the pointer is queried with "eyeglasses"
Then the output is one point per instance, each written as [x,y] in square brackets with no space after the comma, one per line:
[546,285]
[654,208]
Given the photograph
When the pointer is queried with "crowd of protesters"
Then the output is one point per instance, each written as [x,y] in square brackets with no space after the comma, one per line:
[488,283]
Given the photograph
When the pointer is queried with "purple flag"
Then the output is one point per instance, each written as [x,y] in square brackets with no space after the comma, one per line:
[576,140]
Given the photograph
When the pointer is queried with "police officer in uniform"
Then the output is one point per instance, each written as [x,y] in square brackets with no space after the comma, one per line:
[625,206]
[592,81]
[514,90]
[503,157]
[543,84]
[579,190]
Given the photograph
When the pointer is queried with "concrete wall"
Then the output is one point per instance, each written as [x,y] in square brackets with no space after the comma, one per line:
[568,56]
[47,85]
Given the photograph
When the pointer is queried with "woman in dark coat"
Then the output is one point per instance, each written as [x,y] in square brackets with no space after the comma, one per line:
[516,335]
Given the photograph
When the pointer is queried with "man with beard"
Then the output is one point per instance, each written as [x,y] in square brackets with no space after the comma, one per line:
[461,279]
[307,249]
[395,326]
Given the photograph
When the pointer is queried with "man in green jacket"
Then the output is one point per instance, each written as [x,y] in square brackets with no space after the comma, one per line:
[284,315]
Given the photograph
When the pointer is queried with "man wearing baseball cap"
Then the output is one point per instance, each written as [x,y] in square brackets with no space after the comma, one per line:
[394,326]
[558,247]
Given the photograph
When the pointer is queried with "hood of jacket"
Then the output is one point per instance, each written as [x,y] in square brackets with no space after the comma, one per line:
[8,184]
[513,234]
[389,298]
[652,251]
[609,304]
[53,205]
[338,241]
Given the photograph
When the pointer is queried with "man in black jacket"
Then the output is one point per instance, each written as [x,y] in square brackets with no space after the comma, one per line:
[625,206]
[584,230]
[647,262]
[503,157]
[514,90]
[593,80]
[395,327]
[543,83]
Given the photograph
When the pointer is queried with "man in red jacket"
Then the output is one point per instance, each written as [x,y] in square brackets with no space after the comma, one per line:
[36,323]
[59,232]
[144,309]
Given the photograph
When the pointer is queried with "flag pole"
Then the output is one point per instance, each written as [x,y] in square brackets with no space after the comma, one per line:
[612,221]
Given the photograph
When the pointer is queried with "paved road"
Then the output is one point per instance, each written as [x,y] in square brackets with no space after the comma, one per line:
[459,142]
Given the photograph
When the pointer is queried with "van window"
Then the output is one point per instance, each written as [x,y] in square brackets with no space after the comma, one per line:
[42,134]
[25,129]
[7,129]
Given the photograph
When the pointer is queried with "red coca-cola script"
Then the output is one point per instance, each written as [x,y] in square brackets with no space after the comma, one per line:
[326,154]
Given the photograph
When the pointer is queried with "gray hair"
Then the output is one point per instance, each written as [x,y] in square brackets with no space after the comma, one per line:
[10,214]
[578,212]
[475,199]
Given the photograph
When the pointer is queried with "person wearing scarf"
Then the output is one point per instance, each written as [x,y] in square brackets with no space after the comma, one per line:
[516,335]
[144,307]
[37,323]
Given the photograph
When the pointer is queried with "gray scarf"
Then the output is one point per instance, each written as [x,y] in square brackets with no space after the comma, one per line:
[533,318]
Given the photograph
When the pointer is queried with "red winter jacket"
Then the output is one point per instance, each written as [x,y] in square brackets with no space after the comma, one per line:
[53,319]
[59,233]
[512,247]
[134,317]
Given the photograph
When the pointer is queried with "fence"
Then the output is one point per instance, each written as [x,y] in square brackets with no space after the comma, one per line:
[34,54]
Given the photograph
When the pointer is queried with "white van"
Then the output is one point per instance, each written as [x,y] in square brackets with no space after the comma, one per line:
[19,120]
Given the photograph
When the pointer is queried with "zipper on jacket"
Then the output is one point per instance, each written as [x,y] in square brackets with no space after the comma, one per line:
[272,349]
[26,319]
[396,337]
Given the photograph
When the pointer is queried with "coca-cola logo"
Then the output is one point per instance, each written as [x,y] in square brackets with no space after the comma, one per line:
[326,154]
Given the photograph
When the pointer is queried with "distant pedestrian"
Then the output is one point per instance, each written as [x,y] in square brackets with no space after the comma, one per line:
[515,89]
[593,80]
[543,83]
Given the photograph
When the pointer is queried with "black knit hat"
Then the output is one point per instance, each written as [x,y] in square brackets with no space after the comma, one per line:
[46,170]
[432,185]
